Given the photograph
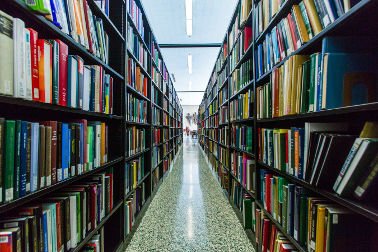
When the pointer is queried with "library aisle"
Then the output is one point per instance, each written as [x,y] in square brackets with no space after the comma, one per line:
[190,212]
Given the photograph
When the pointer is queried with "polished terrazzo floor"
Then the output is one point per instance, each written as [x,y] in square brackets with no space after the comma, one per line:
[190,212]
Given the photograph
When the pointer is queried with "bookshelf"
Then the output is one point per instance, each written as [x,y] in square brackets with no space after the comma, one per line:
[216,133]
[124,205]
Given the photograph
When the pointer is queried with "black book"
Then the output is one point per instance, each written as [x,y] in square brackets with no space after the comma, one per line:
[337,151]
[17,160]
[313,146]
[319,155]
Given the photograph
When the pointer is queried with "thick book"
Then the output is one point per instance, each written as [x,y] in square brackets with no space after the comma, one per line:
[8,171]
[7,49]
[19,58]
[34,64]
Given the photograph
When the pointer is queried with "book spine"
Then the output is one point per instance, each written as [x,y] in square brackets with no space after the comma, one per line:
[10,127]
[34,64]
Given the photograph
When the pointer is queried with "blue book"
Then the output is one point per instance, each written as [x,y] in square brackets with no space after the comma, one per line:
[341,84]
[65,151]
[73,81]
[50,208]
[17,160]
[54,14]
[45,232]
[23,157]
[93,89]
[34,157]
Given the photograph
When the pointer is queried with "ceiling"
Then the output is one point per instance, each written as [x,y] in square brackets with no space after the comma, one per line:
[168,21]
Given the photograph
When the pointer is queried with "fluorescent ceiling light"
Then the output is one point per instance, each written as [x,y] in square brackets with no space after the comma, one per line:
[189,17]
[190,63]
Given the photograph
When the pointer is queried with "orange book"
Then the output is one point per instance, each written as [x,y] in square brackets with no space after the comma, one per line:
[145,86]
[45,70]
[77,17]
[137,78]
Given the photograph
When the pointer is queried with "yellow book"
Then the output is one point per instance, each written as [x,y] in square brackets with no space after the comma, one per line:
[246,107]
[300,24]
[266,13]
[313,16]
[370,130]
[320,229]
[281,91]
[79,24]
[103,140]
[135,173]
[287,85]
[298,60]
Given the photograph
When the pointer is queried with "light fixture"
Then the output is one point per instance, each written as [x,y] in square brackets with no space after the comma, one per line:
[190,63]
[189,17]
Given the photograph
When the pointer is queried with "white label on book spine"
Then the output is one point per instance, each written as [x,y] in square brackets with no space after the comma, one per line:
[42,182]
[1,194]
[4,239]
[65,173]
[9,194]
[359,191]
[335,219]
[27,187]
[48,180]
[60,178]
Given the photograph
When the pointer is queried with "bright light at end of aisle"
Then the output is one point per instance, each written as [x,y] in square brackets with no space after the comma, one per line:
[189,17]
[190,85]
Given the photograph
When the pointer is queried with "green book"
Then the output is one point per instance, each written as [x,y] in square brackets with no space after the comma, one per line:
[17,160]
[247,213]
[284,207]
[306,20]
[90,146]
[313,69]
[303,220]
[39,6]
[249,139]
[2,146]
[305,86]
[78,216]
[281,182]
[8,173]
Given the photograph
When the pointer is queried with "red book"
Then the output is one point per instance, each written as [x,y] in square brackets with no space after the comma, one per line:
[10,240]
[54,143]
[63,68]
[292,31]
[93,206]
[145,86]
[265,237]
[111,190]
[247,37]
[34,64]
[280,43]
[267,192]
[86,15]
[272,238]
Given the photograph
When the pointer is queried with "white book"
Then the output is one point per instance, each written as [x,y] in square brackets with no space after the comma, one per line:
[71,13]
[61,15]
[34,157]
[19,58]
[87,87]
[49,228]
[73,80]
[28,67]
[47,75]
[73,220]
[7,54]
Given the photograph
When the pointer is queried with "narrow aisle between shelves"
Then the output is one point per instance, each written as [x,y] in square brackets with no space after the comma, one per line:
[190,212]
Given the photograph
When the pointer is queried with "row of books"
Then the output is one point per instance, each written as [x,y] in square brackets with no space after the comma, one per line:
[165,118]
[159,135]
[213,148]
[311,220]
[136,47]
[223,115]
[156,57]
[223,155]
[60,221]
[242,137]
[134,172]
[41,70]
[136,15]
[222,57]
[244,10]
[212,121]
[241,108]
[241,77]
[136,109]
[223,95]
[136,139]
[236,194]
[241,46]
[308,84]
[325,155]
[165,149]
[244,169]
[36,155]
[136,78]
[96,243]
[213,134]
[157,78]
[223,135]
[156,115]
[306,20]
[75,19]
[156,156]
[155,95]
[264,11]
[133,205]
